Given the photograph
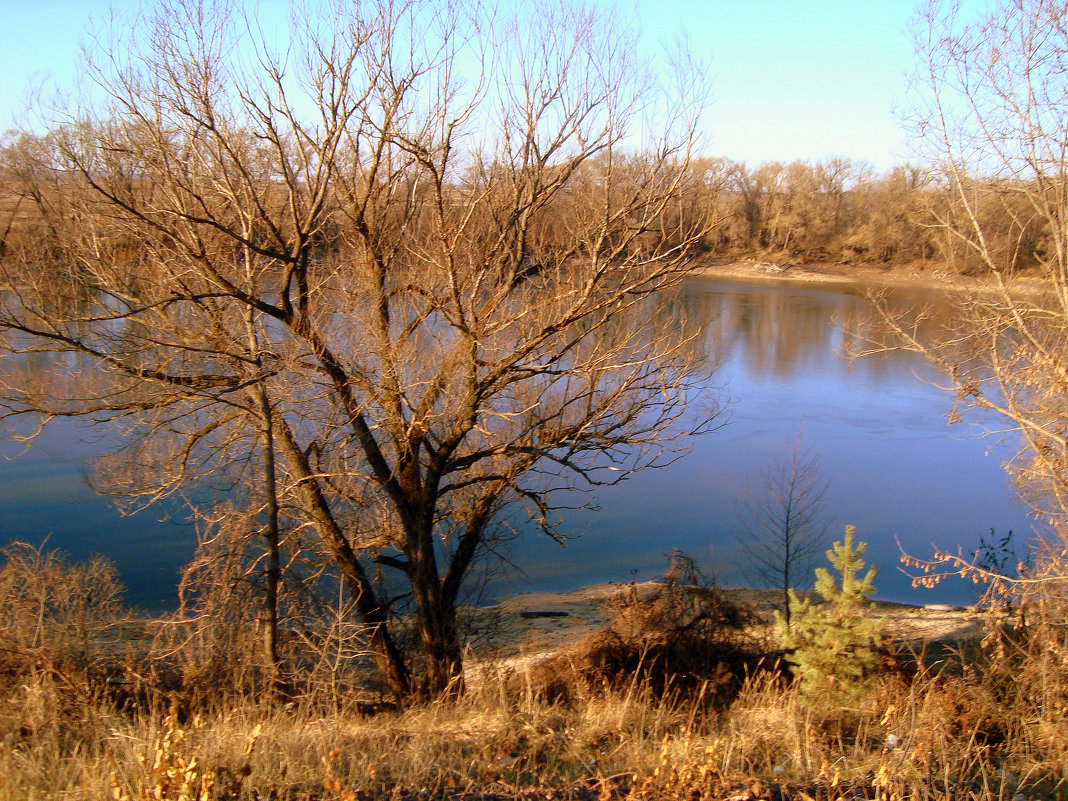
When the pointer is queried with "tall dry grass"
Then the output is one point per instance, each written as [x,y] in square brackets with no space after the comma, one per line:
[630,727]
[931,738]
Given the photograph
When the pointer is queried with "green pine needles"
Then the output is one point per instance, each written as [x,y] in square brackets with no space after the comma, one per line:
[835,642]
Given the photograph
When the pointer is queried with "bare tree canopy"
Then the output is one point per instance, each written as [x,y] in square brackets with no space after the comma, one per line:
[412,250]
[782,520]
[992,110]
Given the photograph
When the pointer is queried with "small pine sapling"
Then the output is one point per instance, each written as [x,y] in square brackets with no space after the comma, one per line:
[835,642]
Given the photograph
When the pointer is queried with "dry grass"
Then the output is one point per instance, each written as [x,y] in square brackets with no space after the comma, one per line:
[932,738]
[641,725]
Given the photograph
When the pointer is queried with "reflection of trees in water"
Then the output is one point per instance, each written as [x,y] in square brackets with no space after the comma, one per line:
[772,330]
[783,332]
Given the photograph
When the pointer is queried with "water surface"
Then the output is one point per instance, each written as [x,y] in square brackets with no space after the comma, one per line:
[896,470]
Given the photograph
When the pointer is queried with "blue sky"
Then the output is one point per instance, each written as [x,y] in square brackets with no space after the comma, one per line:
[792,79]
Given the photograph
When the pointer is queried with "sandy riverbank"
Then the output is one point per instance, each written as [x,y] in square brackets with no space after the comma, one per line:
[541,622]
[862,275]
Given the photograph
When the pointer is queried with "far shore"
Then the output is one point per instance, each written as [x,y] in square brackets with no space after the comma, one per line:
[863,274]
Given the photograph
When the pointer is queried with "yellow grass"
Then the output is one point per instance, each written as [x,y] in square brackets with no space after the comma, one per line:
[948,728]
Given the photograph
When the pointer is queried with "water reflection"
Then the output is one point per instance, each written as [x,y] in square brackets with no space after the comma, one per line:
[788,331]
[896,471]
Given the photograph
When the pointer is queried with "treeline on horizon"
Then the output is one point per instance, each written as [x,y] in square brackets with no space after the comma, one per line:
[842,211]
[835,210]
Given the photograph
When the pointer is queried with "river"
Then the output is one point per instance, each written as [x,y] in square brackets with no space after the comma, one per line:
[895,469]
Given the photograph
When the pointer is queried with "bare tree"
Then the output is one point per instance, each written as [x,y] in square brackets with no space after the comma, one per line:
[781,515]
[992,112]
[412,259]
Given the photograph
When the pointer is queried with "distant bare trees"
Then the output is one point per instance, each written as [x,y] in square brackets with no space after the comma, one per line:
[834,210]
[382,282]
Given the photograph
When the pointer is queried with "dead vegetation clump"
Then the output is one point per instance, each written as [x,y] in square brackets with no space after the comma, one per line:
[1019,670]
[679,637]
[58,622]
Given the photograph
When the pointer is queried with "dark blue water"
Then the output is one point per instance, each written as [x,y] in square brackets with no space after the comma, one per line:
[896,470]
[45,497]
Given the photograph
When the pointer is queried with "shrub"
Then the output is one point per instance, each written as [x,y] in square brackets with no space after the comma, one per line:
[56,613]
[59,641]
[677,636]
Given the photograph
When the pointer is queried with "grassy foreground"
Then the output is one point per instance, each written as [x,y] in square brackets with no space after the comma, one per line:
[935,735]
[683,695]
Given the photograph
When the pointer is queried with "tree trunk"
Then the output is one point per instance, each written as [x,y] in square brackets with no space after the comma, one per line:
[387,655]
[786,594]
[440,638]
[436,620]
[272,535]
